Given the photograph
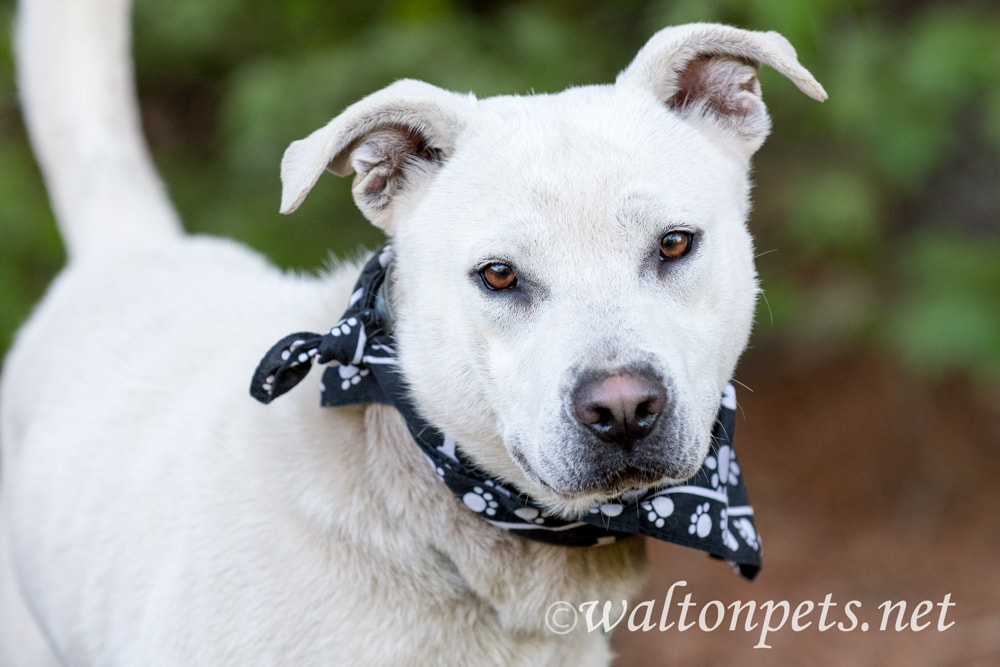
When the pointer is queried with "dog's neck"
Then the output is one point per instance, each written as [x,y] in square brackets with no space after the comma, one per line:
[521,590]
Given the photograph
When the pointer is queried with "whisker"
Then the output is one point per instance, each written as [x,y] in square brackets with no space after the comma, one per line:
[724,431]
[768,304]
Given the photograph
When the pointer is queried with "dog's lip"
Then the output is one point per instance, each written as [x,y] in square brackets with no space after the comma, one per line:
[608,484]
[521,461]
[633,479]
[619,482]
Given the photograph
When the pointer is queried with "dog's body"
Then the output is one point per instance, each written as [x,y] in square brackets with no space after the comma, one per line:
[302,536]
[154,514]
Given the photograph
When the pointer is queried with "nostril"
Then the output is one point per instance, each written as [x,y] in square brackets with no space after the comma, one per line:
[652,406]
[592,414]
[605,418]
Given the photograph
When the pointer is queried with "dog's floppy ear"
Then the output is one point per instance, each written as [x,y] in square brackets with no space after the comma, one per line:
[708,72]
[392,140]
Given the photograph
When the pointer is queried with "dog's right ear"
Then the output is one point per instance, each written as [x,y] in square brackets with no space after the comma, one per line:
[393,140]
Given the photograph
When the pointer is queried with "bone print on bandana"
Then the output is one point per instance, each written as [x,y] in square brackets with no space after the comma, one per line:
[710,512]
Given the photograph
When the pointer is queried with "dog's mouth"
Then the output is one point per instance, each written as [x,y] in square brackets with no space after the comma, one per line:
[629,479]
[578,488]
[608,484]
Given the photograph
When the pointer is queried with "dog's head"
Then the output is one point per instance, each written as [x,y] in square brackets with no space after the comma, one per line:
[574,279]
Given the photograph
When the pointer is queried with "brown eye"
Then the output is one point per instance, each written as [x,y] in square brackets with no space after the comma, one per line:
[498,276]
[675,244]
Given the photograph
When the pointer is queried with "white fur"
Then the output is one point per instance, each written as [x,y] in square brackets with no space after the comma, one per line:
[155,515]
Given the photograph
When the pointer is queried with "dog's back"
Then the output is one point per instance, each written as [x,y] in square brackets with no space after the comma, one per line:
[76,92]
[134,293]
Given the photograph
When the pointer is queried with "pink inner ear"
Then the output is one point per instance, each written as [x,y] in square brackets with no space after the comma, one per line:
[719,84]
[381,159]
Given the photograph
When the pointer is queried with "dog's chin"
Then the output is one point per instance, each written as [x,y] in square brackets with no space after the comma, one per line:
[572,492]
[574,500]
[611,484]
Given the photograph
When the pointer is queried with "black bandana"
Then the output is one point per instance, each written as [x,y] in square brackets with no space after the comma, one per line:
[710,512]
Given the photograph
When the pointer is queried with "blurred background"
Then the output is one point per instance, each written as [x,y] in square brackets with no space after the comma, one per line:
[871,436]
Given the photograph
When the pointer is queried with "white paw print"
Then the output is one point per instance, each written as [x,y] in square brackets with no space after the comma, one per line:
[479,500]
[729,397]
[344,327]
[659,508]
[351,375]
[746,530]
[301,357]
[632,496]
[385,257]
[607,509]
[725,466]
[437,469]
[727,535]
[496,487]
[530,514]
[701,522]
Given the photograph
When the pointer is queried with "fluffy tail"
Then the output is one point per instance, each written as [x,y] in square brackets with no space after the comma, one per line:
[78,95]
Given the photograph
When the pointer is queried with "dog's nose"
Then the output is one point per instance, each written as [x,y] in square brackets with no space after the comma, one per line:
[621,407]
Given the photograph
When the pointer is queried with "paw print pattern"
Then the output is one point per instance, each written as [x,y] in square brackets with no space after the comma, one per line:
[496,487]
[344,327]
[447,447]
[727,535]
[291,352]
[385,257]
[530,514]
[480,500]
[296,353]
[658,509]
[747,531]
[608,509]
[634,496]
[725,467]
[701,522]
[437,469]
[351,375]
[729,397]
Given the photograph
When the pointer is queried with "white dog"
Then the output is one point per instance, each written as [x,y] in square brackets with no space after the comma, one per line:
[572,287]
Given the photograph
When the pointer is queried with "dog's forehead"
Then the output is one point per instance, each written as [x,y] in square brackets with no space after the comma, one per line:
[589,164]
[598,132]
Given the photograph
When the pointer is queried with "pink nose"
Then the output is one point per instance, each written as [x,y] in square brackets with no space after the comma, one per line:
[619,408]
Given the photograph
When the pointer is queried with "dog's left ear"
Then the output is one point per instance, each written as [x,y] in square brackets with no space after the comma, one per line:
[708,73]
[394,140]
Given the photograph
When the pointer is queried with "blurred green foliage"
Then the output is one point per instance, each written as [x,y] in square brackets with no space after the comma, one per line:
[877,214]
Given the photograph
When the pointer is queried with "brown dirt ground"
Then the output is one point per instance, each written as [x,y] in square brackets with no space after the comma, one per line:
[869,485]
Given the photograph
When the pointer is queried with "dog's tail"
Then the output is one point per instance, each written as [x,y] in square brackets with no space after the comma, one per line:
[78,95]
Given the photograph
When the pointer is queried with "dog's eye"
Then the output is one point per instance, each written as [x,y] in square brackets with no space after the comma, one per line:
[675,244]
[498,276]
